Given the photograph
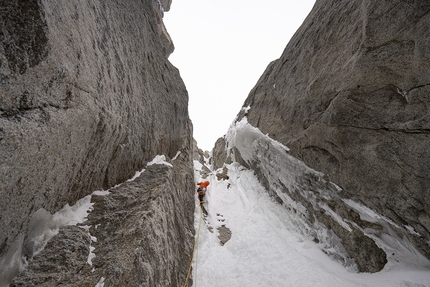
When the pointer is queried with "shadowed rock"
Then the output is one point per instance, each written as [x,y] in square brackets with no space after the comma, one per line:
[140,235]
[88,97]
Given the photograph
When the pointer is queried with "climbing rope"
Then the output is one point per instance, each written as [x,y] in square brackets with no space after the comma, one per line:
[195,248]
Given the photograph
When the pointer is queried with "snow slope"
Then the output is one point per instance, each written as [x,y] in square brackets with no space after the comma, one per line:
[265,251]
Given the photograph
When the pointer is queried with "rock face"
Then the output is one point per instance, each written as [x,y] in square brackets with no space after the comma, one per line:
[87,97]
[318,207]
[350,97]
[140,235]
[219,154]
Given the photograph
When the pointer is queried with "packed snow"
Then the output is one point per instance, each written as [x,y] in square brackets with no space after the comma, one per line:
[264,250]
[272,246]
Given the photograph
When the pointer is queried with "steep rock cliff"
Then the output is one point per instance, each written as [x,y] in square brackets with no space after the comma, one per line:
[139,233]
[87,97]
[349,97]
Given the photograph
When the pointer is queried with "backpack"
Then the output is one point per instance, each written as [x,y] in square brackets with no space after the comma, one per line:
[200,191]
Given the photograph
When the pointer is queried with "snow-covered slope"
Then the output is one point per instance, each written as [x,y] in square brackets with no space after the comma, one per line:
[271,242]
[344,228]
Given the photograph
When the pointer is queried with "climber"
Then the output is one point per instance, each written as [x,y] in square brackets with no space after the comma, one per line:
[201,190]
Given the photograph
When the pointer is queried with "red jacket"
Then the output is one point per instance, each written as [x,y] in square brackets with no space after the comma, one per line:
[203,184]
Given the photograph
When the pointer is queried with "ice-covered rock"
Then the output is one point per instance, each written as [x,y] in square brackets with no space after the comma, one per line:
[350,98]
[346,230]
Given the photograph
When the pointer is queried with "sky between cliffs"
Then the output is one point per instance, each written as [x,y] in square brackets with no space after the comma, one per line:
[222,47]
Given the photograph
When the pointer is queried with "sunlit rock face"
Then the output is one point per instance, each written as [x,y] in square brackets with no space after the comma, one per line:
[87,97]
[350,97]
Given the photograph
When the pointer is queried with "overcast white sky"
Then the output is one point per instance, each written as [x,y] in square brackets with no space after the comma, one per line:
[222,47]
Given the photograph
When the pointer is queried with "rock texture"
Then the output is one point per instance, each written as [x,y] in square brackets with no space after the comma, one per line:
[224,234]
[64,257]
[219,154]
[87,97]
[140,235]
[199,154]
[317,206]
[350,97]
[202,157]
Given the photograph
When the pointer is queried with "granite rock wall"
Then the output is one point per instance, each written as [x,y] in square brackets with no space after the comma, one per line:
[349,97]
[87,98]
[141,234]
